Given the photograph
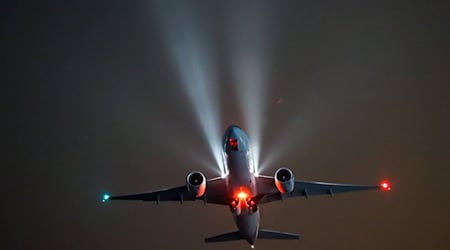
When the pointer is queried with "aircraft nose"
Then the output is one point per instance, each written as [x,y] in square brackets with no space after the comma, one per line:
[233,130]
[233,133]
[231,138]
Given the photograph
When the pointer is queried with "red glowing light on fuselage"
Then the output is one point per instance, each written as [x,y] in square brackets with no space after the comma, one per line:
[233,143]
[386,186]
[242,195]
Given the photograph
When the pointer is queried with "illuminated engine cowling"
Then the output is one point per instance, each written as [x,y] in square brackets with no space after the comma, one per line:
[196,183]
[284,180]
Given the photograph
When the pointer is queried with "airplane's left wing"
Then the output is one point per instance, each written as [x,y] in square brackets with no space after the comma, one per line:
[171,194]
[215,193]
[270,193]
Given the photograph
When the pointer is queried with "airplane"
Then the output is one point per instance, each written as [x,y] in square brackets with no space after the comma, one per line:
[244,191]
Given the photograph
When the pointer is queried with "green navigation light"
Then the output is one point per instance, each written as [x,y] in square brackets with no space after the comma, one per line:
[105,197]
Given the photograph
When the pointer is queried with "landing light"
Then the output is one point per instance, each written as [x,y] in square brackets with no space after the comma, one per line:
[385,186]
[242,195]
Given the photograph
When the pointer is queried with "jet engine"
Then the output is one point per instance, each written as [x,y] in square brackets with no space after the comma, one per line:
[284,180]
[196,183]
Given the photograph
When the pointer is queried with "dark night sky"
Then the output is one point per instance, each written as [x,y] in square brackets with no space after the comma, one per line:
[92,102]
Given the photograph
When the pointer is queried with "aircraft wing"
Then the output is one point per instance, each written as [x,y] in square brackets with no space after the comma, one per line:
[268,192]
[171,194]
[215,194]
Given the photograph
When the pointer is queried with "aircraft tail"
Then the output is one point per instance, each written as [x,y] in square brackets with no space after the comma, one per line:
[262,234]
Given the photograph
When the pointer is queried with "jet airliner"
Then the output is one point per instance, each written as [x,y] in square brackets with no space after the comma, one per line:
[244,191]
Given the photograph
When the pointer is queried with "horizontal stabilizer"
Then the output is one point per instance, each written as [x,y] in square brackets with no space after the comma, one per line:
[276,235]
[224,237]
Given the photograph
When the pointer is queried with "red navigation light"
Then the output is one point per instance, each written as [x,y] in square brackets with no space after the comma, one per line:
[385,186]
[233,143]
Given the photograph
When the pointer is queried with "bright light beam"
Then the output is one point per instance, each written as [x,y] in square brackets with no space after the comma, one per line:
[249,59]
[192,51]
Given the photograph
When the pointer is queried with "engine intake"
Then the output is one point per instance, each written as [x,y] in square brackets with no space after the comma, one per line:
[196,183]
[284,180]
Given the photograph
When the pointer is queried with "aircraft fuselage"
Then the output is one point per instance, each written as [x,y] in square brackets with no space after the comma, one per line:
[243,190]
[241,185]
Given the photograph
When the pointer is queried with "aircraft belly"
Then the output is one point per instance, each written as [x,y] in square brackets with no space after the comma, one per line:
[238,166]
[240,175]
[241,180]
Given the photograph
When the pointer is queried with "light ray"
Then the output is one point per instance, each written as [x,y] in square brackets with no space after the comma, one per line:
[192,52]
[249,59]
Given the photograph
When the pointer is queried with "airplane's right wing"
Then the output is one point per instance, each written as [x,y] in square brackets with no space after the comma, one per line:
[269,192]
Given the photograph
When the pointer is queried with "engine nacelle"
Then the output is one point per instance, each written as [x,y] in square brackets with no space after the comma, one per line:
[284,180]
[196,183]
